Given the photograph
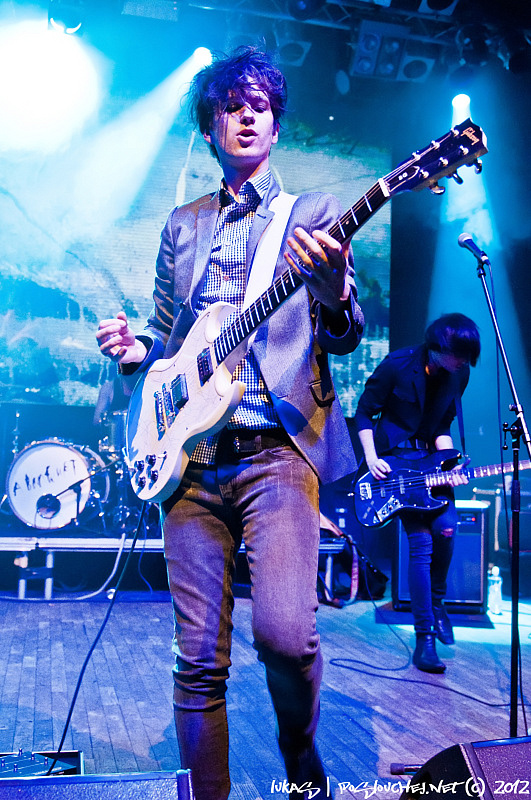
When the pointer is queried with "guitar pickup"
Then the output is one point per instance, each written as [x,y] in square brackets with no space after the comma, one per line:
[365,491]
[179,392]
[204,366]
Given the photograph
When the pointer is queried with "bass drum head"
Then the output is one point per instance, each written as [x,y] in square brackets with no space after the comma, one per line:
[41,479]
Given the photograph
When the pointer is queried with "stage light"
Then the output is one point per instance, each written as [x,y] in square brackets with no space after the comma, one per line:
[202,57]
[114,163]
[461,108]
[53,87]
[66,17]
[342,82]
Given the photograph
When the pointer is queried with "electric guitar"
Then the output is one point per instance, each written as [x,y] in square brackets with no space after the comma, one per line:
[183,399]
[409,485]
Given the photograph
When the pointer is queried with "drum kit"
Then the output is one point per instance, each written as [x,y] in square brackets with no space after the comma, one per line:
[54,485]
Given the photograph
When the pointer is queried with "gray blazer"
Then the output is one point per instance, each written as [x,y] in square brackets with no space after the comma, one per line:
[291,347]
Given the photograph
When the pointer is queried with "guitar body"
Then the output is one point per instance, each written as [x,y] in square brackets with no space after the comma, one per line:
[158,443]
[408,487]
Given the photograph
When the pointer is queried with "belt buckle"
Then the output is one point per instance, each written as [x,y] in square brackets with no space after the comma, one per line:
[241,446]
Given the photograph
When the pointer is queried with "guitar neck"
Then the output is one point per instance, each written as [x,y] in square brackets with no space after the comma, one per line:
[443,478]
[495,469]
[286,284]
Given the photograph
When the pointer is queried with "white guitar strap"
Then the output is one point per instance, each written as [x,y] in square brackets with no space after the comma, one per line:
[265,258]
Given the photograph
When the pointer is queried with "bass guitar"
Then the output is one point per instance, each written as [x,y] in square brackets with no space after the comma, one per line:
[409,485]
[183,399]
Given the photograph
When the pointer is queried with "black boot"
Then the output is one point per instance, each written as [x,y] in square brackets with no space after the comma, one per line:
[425,656]
[442,625]
[306,771]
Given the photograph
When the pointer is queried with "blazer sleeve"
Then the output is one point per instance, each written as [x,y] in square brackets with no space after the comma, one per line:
[375,396]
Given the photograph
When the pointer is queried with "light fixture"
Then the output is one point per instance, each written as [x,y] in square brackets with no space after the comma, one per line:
[418,61]
[446,7]
[304,9]
[154,9]
[473,43]
[292,52]
[378,52]
[66,16]
[514,49]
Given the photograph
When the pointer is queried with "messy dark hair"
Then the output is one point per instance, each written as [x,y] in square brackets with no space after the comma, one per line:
[228,77]
[455,334]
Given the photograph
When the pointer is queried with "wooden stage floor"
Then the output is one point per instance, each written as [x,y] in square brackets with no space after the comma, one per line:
[376,708]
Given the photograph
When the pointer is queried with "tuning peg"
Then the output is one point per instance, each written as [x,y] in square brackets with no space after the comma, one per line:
[436,189]
[478,165]
[457,178]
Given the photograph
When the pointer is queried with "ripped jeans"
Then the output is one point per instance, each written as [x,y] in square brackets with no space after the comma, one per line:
[431,539]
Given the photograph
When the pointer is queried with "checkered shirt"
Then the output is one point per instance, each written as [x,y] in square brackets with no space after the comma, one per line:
[225,280]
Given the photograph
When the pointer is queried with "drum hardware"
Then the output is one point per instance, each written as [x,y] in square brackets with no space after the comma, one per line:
[52,483]
[49,505]
[16,434]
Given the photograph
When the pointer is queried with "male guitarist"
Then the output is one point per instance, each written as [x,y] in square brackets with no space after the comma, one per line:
[258,480]
[406,409]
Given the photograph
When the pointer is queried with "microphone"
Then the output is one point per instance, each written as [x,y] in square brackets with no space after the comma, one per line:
[466,241]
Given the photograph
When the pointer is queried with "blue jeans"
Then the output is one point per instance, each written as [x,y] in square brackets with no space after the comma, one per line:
[271,501]
[431,539]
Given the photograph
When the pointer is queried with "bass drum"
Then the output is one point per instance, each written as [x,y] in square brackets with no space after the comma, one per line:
[45,479]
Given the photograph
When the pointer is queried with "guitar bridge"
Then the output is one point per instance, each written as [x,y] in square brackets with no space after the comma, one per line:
[393,505]
[179,392]
[159,413]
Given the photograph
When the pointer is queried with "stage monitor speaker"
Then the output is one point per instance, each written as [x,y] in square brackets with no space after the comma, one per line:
[124,786]
[467,577]
[485,770]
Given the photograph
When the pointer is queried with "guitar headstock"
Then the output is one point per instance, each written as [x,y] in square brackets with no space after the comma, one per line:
[462,145]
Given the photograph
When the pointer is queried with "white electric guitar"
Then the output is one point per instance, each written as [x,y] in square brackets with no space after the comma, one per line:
[183,399]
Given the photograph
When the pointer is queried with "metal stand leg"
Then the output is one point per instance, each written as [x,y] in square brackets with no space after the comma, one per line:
[48,581]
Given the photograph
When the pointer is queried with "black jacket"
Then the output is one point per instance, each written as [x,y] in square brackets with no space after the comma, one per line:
[392,403]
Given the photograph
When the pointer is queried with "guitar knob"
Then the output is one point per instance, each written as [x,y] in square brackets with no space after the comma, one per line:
[139,466]
[151,459]
[141,482]
[154,475]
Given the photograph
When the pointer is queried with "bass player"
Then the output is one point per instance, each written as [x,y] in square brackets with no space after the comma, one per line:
[406,409]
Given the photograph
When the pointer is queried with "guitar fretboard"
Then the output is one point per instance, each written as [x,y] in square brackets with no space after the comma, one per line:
[441,478]
[234,333]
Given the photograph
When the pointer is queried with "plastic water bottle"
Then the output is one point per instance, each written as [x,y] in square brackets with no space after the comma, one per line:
[495,591]
[341,514]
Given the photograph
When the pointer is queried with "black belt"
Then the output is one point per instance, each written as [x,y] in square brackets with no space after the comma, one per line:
[243,442]
[416,444]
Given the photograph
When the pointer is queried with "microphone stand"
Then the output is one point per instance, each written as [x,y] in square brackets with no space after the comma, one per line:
[76,488]
[518,431]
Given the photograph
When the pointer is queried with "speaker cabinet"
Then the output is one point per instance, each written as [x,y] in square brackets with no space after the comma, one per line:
[485,770]
[467,577]
[126,786]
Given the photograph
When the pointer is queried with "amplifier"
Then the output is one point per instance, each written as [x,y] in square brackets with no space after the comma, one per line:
[467,577]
